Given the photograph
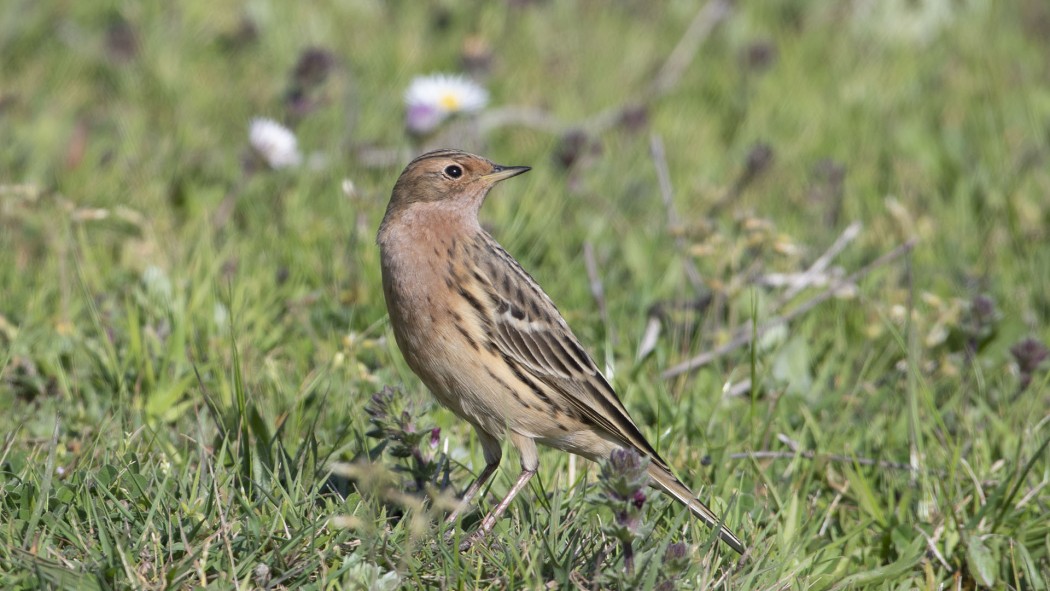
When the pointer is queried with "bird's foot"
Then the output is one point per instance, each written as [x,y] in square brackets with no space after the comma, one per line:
[470,540]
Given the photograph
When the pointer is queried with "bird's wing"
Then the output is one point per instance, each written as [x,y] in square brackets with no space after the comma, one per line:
[529,331]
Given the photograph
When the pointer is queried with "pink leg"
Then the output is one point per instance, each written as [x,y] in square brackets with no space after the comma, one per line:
[529,464]
[490,446]
[490,519]
[472,490]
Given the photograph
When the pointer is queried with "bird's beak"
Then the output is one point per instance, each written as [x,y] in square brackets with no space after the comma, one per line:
[500,173]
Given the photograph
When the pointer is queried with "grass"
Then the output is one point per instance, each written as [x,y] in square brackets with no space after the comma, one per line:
[189,344]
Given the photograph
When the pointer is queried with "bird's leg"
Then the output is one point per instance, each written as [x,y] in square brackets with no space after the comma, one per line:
[529,463]
[490,447]
[490,519]
[472,490]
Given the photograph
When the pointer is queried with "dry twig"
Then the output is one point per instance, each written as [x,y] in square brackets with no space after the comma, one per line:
[705,21]
[821,264]
[745,336]
[597,289]
[674,223]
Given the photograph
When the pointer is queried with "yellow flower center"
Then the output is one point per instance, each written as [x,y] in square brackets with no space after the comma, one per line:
[450,102]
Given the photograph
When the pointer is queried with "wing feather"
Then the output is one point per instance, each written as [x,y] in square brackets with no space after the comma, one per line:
[530,331]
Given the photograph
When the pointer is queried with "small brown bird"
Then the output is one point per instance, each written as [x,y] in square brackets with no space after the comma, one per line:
[488,342]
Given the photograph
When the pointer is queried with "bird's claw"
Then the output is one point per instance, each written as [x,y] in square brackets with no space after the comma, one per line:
[470,540]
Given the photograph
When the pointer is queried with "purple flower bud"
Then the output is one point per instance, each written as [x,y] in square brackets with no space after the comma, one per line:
[1028,354]
[638,499]
[760,55]
[634,117]
[313,67]
[676,559]
[759,159]
[435,437]
[571,147]
[983,309]
[676,551]
[625,460]
[623,518]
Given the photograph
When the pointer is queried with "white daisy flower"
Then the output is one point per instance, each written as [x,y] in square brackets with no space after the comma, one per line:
[274,142]
[430,100]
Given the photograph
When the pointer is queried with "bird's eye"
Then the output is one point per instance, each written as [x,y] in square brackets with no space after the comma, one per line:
[454,171]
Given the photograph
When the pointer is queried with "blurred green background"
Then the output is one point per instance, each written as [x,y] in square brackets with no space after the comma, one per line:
[189,338]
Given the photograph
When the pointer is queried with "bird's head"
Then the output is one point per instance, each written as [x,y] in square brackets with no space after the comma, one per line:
[449,179]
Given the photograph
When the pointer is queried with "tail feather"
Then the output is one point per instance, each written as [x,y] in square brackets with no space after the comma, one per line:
[667,482]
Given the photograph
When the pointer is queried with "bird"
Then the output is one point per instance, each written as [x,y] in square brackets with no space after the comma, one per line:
[488,342]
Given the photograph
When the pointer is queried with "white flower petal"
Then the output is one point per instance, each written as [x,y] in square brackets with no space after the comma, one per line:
[434,97]
[276,143]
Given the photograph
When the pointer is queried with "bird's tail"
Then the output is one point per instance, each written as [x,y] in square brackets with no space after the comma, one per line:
[667,482]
